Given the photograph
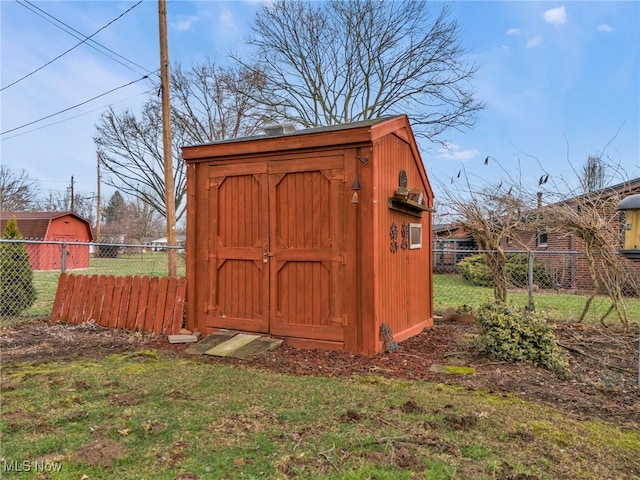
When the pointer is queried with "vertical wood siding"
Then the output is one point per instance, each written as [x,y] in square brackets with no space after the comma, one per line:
[405,275]
[152,304]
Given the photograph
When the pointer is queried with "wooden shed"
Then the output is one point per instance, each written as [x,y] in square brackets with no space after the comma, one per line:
[53,227]
[317,236]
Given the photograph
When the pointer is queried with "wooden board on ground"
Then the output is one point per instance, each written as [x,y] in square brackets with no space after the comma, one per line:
[225,348]
[259,345]
[209,342]
[233,344]
[182,338]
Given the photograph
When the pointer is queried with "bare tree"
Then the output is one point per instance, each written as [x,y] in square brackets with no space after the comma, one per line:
[143,220]
[593,218]
[207,105]
[61,202]
[18,192]
[129,219]
[339,61]
[593,174]
[491,215]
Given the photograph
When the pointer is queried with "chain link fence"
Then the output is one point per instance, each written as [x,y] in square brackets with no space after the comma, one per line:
[557,283]
[48,259]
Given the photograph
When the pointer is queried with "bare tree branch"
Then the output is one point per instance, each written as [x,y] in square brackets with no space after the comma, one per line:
[208,103]
[346,60]
[18,192]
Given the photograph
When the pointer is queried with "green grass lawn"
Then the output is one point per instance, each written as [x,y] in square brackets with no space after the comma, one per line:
[453,291]
[448,290]
[157,417]
[148,263]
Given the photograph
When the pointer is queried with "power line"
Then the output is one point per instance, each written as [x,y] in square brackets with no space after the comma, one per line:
[82,35]
[72,48]
[73,117]
[75,106]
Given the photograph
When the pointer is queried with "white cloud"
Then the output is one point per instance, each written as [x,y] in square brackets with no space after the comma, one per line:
[451,151]
[227,23]
[534,42]
[513,31]
[184,24]
[555,16]
[606,28]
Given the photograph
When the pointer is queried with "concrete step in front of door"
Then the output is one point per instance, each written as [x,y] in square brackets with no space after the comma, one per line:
[233,344]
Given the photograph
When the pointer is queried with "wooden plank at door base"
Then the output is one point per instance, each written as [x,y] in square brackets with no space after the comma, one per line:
[259,345]
[209,342]
[226,348]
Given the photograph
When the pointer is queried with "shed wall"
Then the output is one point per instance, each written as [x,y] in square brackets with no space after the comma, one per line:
[404,280]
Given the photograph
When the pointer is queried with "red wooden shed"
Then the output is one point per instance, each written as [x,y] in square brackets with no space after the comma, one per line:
[317,236]
[53,226]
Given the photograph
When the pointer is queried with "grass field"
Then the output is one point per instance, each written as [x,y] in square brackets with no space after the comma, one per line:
[453,291]
[146,415]
[448,290]
[148,263]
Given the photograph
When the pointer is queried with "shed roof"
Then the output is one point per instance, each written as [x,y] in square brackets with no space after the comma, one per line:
[308,131]
[36,224]
[354,132]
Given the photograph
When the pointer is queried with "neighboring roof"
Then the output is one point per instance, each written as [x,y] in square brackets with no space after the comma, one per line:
[628,187]
[179,238]
[36,224]
[451,231]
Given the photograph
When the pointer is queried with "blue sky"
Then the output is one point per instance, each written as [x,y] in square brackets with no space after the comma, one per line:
[560,80]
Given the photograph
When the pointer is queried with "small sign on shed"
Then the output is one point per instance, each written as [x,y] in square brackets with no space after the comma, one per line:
[317,236]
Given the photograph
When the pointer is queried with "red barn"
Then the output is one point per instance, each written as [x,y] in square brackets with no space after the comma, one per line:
[319,236]
[54,227]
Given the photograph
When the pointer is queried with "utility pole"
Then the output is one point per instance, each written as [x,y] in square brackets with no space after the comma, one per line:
[72,194]
[170,201]
[98,208]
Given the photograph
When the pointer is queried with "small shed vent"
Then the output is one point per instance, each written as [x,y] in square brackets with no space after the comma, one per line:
[280,129]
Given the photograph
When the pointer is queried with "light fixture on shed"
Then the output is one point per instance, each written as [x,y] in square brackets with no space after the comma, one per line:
[630,216]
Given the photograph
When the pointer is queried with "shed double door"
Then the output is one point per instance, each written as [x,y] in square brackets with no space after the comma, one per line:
[276,263]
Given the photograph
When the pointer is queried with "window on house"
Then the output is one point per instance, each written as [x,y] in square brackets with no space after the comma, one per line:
[543,237]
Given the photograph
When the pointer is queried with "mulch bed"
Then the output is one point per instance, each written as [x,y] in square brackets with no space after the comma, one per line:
[602,381]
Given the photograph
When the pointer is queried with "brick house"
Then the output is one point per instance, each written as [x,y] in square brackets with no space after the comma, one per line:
[560,250]
[451,244]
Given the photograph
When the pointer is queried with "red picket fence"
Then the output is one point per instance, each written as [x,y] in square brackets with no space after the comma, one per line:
[152,304]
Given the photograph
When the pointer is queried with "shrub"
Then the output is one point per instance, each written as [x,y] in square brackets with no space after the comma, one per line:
[509,333]
[474,270]
[518,271]
[17,291]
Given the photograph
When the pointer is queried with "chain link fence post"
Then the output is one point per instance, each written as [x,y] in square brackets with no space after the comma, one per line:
[531,306]
[63,259]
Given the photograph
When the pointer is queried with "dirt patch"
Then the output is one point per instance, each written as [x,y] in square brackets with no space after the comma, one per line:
[411,407]
[461,422]
[175,454]
[43,341]
[101,453]
[351,416]
[602,380]
[124,399]
[186,476]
